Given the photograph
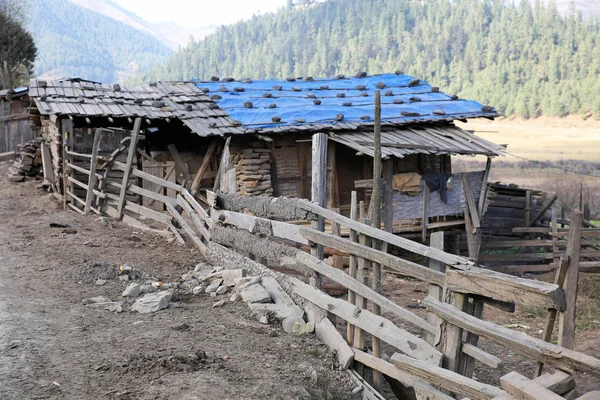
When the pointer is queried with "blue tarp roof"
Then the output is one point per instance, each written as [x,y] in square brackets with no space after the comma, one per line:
[258,104]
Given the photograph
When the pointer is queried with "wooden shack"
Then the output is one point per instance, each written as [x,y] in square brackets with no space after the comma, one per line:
[15,119]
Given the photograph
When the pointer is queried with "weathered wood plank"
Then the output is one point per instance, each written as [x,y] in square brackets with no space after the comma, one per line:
[482,356]
[436,240]
[525,389]
[187,228]
[470,202]
[149,177]
[505,287]
[205,163]
[179,162]
[369,322]
[319,188]
[92,173]
[132,146]
[534,348]
[449,380]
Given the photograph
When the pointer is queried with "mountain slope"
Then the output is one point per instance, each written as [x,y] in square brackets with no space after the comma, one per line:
[170,34]
[526,59]
[75,41]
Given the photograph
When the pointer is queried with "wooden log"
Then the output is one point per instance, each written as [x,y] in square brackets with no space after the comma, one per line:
[204,166]
[319,188]
[423,389]
[404,267]
[362,290]
[525,389]
[406,244]
[449,380]
[450,335]
[505,287]
[179,162]
[536,349]
[132,146]
[566,319]
[472,208]
[92,178]
[559,280]
[187,228]
[369,322]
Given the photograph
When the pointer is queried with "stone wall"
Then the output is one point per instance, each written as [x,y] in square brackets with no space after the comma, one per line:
[50,131]
[252,162]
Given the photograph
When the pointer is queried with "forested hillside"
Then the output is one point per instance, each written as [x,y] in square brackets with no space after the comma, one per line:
[526,59]
[75,41]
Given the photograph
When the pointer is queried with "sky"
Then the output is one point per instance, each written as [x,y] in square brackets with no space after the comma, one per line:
[193,14]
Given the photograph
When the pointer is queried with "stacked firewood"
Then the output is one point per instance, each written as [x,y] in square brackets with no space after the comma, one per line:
[28,161]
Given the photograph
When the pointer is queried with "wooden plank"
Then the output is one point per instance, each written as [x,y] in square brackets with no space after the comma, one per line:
[449,380]
[566,319]
[132,146]
[77,199]
[92,178]
[559,280]
[8,156]
[145,192]
[543,210]
[46,164]
[505,287]
[179,162]
[369,322]
[149,177]
[147,212]
[451,335]
[204,166]
[484,185]
[363,290]
[369,393]
[197,207]
[559,382]
[481,356]
[594,395]
[319,188]
[435,291]
[186,227]
[425,214]
[404,267]
[525,389]
[534,348]
[193,216]
[74,208]
[407,244]
[473,213]
[422,389]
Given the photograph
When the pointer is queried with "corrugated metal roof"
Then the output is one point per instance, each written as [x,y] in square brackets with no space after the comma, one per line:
[176,100]
[431,139]
[338,103]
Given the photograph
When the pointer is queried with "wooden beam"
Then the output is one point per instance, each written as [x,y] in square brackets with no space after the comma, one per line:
[179,162]
[132,146]
[205,163]
[352,264]
[423,389]
[536,349]
[559,382]
[319,188]
[449,380]
[359,288]
[505,287]
[92,178]
[543,210]
[424,147]
[46,164]
[369,322]
[149,177]
[473,213]
[425,213]
[525,389]
[483,192]
[481,356]
[187,228]
[404,267]
[566,319]
[435,291]
[8,156]
[407,244]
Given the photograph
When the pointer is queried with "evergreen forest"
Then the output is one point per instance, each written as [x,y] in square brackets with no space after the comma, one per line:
[523,57]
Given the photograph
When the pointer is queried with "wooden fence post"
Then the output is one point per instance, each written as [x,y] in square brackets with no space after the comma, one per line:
[318,191]
[132,145]
[352,263]
[566,322]
[437,241]
[362,275]
[92,178]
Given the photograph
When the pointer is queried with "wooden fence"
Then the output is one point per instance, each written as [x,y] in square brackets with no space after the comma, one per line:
[283,231]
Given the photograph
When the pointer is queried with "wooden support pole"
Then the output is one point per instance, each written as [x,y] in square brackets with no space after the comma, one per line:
[544,208]
[336,230]
[435,291]
[376,201]
[388,198]
[362,276]
[483,192]
[425,214]
[179,162]
[92,178]
[332,201]
[205,163]
[318,189]
[566,322]
[352,263]
[132,146]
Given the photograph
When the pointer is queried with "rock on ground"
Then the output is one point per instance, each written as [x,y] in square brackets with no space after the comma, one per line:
[152,302]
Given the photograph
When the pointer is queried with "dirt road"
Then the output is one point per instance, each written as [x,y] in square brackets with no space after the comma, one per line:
[53,346]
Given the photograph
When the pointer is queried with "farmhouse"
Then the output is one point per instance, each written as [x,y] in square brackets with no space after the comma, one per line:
[271,124]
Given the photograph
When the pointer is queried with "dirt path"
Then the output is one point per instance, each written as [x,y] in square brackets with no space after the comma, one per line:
[52,346]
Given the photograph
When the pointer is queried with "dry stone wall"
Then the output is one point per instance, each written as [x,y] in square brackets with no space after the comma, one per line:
[50,132]
[252,162]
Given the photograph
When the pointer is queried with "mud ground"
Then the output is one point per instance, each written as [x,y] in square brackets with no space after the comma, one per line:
[53,346]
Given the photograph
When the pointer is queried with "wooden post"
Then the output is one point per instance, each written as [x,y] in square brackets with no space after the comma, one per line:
[352,262]
[318,190]
[224,165]
[362,275]
[205,163]
[388,196]
[566,322]
[425,215]
[437,241]
[376,201]
[132,145]
[483,192]
[65,176]
[179,162]
[332,200]
[336,230]
[451,335]
[92,178]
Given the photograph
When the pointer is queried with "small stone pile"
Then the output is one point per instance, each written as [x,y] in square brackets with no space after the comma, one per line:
[28,161]
[253,170]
